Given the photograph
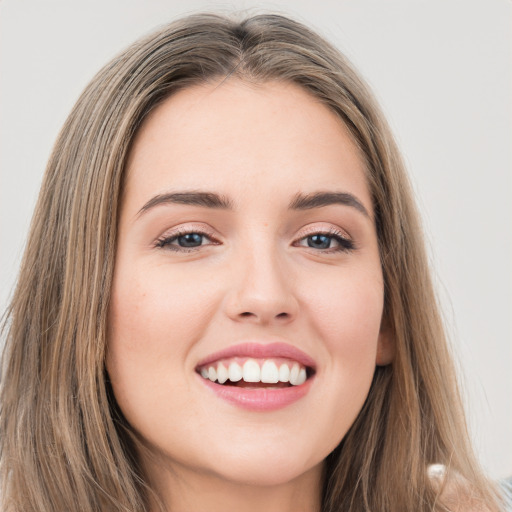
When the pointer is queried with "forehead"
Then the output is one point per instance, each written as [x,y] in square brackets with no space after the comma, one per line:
[241,138]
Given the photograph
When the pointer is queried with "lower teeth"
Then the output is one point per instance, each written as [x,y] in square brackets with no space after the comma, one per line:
[257,385]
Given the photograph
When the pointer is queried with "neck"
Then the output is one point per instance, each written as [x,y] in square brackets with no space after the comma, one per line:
[182,490]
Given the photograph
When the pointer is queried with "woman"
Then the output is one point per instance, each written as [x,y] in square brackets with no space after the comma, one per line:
[224,300]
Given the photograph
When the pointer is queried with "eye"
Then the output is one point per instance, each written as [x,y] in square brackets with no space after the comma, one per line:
[327,241]
[185,241]
[190,240]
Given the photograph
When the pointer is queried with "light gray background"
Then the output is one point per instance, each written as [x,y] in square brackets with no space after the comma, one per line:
[442,71]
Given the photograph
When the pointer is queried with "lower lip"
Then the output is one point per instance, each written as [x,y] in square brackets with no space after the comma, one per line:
[264,399]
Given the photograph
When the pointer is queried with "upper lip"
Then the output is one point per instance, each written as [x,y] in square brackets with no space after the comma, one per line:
[258,350]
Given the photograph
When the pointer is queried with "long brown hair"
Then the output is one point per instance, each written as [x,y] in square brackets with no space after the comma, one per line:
[64,444]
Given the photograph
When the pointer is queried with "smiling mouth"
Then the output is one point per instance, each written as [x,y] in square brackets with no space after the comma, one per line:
[252,373]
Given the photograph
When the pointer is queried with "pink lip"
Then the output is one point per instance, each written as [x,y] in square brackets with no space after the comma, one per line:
[260,351]
[264,399]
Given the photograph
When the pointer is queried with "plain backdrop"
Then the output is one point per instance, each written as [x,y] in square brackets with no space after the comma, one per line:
[442,72]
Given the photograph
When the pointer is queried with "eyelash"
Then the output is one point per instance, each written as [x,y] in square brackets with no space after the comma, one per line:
[166,241]
[344,244]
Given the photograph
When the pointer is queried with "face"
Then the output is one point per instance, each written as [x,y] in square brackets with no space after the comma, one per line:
[247,252]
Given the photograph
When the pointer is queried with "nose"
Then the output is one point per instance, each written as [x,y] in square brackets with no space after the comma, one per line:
[261,290]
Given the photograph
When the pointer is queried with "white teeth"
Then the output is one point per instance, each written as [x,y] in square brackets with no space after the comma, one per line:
[294,374]
[284,373]
[235,372]
[222,373]
[251,371]
[269,372]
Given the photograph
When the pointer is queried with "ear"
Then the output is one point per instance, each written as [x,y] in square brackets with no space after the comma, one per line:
[385,345]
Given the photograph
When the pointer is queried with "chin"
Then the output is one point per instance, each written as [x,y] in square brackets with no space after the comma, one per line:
[263,469]
[267,473]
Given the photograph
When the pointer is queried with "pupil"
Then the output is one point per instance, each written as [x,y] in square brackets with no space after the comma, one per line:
[319,241]
[190,240]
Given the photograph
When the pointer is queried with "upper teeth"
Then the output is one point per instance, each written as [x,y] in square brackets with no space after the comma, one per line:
[251,371]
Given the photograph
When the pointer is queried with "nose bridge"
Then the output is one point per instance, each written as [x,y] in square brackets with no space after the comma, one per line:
[262,290]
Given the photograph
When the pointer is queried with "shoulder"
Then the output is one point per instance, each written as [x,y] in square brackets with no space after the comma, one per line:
[456,494]
[506,487]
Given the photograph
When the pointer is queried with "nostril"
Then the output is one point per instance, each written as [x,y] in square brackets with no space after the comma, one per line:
[264,316]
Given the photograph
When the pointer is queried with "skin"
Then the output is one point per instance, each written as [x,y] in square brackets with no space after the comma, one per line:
[254,277]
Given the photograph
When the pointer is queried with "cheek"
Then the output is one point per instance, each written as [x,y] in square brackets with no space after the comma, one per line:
[155,308]
[348,320]
[155,318]
[348,314]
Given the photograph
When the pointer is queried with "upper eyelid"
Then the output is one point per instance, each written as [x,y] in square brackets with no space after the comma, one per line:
[330,230]
[178,231]
[189,228]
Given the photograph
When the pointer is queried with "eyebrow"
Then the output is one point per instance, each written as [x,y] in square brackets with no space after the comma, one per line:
[192,198]
[220,202]
[320,199]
